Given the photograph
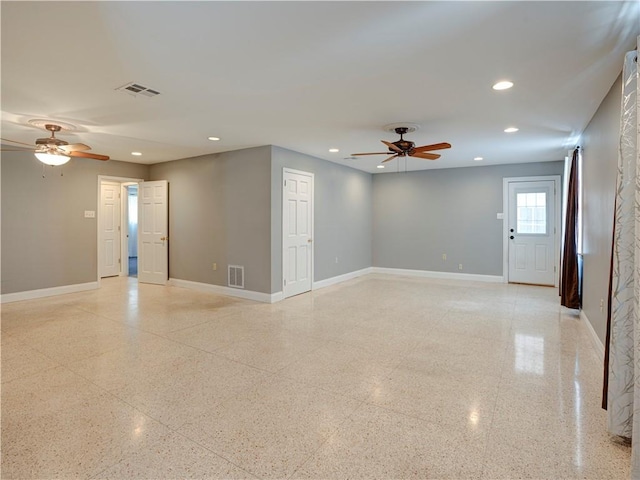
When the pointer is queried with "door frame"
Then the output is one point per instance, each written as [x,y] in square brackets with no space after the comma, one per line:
[286,170]
[557,182]
[122,181]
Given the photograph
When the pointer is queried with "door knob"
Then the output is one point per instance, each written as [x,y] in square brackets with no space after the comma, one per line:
[164,238]
[309,241]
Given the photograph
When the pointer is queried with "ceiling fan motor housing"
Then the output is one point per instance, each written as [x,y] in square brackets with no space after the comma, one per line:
[405,145]
[52,140]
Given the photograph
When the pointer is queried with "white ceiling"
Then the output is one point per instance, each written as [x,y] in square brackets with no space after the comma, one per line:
[310,76]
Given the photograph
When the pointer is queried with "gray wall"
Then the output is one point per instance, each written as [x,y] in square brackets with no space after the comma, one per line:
[418,216]
[599,163]
[219,211]
[46,241]
[342,215]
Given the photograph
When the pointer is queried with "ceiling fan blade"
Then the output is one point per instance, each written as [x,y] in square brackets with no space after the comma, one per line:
[435,146]
[17,149]
[377,153]
[13,141]
[426,156]
[94,156]
[74,147]
[390,158]
[392,146]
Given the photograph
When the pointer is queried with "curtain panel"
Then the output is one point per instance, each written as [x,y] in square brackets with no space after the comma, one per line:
[623,390]
[570,275]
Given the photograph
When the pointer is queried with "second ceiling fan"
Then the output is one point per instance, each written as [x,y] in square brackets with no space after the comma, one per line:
[406,148]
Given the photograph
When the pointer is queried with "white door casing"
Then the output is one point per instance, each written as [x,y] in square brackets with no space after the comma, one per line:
[297,228]
[109,230]
[531,230]
[153,232]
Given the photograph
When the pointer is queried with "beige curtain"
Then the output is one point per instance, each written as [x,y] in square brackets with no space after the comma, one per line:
[623,389]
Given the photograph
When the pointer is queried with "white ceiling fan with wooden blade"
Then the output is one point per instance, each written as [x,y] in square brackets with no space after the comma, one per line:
[406,148]
[54,151]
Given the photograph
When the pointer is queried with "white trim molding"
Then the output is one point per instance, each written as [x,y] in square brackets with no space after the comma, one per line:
[442,275]
[228,291]
[597,343]
[47,292]
[341,278]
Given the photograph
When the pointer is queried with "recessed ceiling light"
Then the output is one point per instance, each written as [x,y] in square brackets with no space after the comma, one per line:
[213,139]
[137,154]
[380,166]
[511,130]
[503,85]
[334,150]
[477,159]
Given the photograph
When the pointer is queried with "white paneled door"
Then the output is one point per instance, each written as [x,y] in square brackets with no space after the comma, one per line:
[297,225]
[532,232]
[153,232]
[110,261]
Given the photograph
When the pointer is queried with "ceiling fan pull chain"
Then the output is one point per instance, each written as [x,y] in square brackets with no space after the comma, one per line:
[43,172]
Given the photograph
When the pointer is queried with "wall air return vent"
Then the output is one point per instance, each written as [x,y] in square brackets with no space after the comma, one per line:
[137,90]
[236,276]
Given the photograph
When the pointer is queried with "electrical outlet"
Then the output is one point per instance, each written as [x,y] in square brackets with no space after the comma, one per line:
[444,256]
[602,304]
[459,266]
[215,266]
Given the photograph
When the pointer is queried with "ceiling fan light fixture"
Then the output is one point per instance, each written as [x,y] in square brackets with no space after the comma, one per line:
[52,159]
[503,85]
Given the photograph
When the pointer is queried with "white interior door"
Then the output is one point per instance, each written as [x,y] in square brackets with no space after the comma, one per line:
[153,232]
[532,232]
[110,251]
[297,225]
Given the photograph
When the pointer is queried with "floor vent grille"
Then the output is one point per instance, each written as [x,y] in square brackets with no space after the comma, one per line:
[236,276]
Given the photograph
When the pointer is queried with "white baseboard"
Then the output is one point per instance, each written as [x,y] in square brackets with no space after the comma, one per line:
[597,343]
[341,278]
[47,292]
[442,275]
[231,292]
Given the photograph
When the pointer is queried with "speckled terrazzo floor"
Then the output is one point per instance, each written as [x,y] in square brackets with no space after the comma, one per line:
[379,377]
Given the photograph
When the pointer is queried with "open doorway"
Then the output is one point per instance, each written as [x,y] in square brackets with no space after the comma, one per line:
[132,229]
[117,225]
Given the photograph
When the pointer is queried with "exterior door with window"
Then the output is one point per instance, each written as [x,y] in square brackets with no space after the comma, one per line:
[532,232]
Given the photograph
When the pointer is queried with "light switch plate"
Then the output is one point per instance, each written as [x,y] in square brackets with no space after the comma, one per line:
[89,214]
[500,216]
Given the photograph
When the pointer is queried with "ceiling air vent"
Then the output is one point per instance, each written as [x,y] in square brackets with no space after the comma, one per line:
[236,276]
[138,90]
